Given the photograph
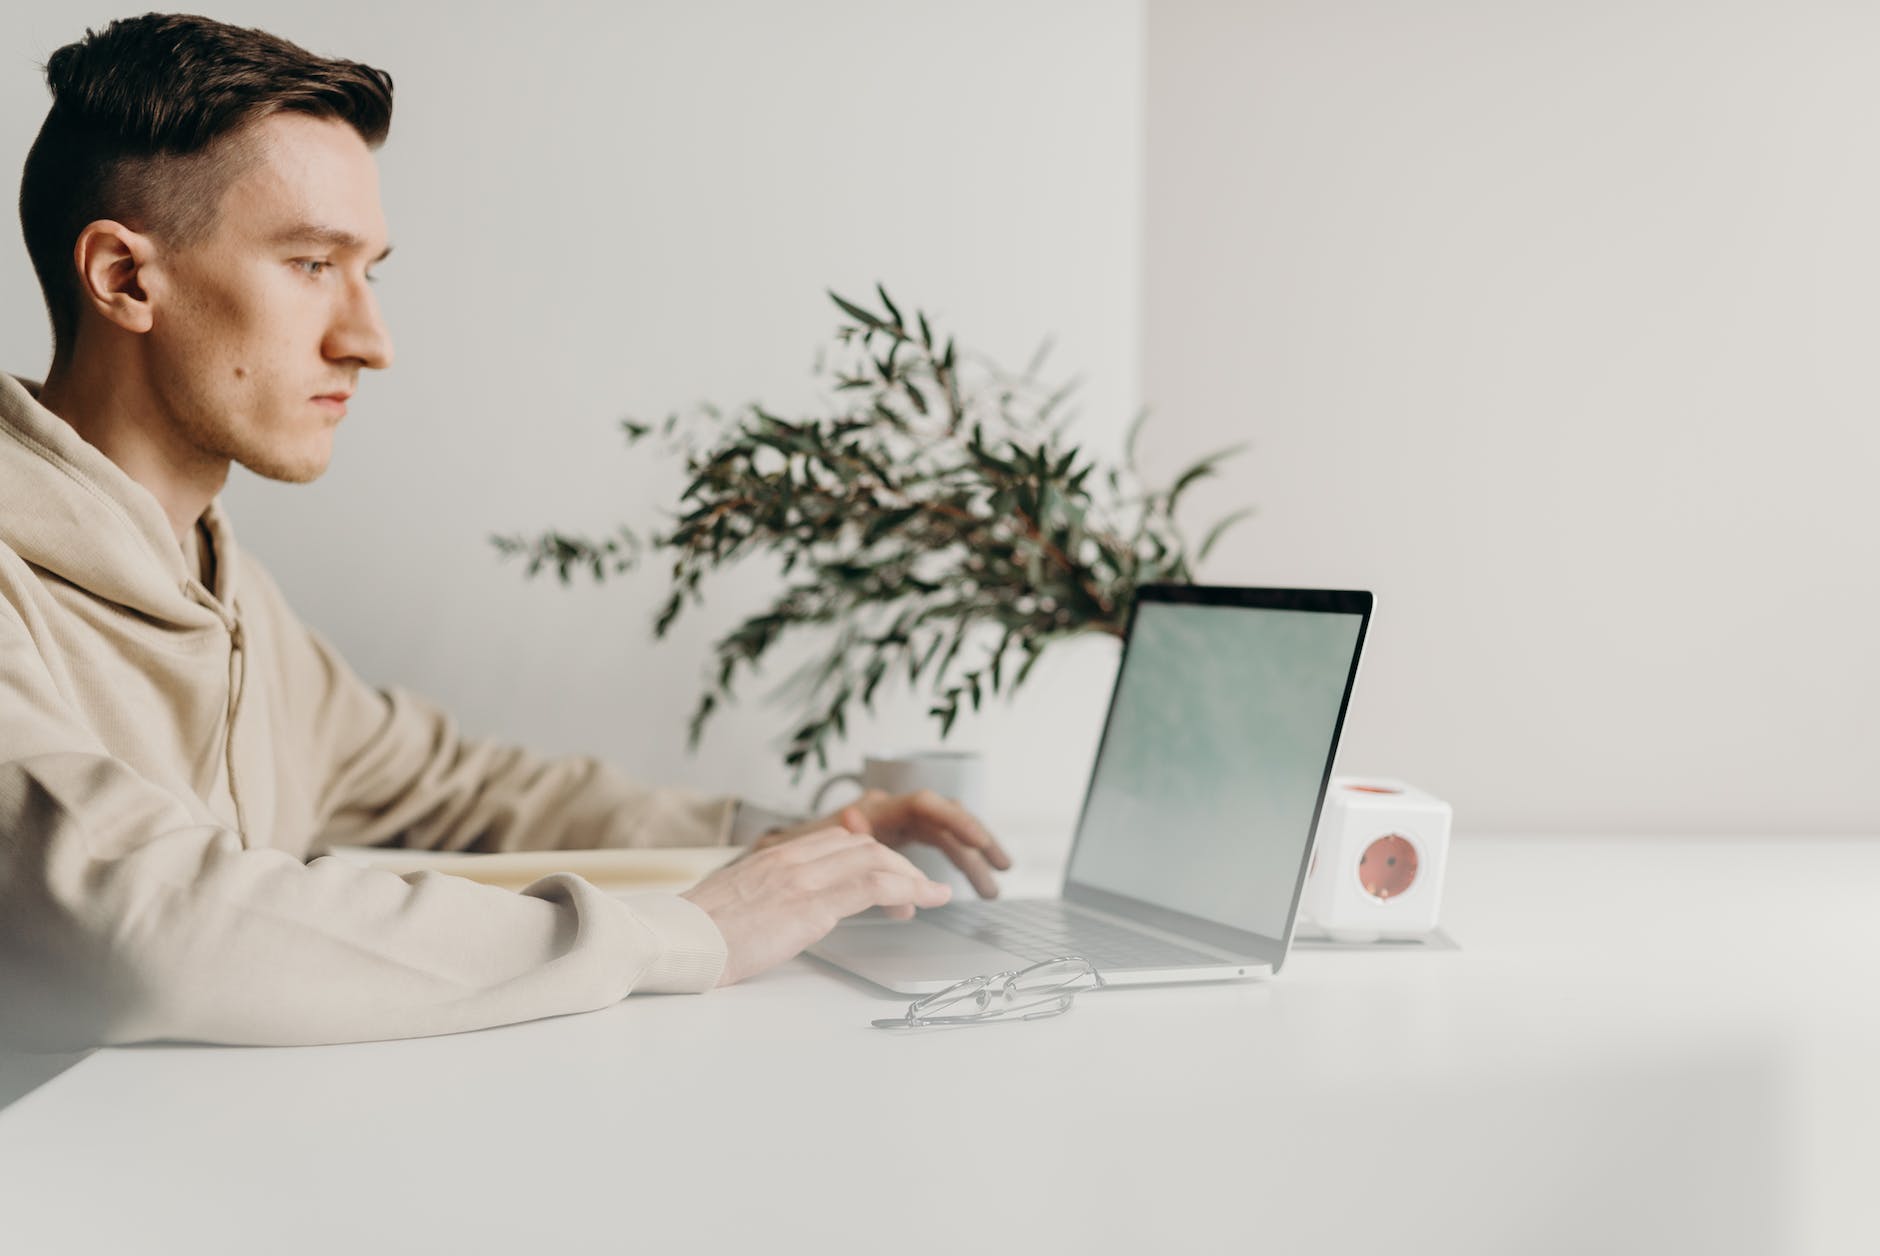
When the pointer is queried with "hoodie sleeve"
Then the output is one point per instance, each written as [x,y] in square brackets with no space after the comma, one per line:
[124,917]
[396,769]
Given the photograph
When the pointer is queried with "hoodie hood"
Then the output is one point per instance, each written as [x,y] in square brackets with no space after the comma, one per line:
[68,509]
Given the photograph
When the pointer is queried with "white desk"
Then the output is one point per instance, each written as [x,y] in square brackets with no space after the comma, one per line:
[1659,1045]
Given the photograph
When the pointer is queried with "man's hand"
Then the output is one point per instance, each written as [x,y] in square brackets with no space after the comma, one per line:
[771,904]
[896,819]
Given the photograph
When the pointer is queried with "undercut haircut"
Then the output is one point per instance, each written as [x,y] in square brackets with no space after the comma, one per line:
[149,127]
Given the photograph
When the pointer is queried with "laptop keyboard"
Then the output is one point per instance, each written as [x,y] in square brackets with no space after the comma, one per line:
[1041,929]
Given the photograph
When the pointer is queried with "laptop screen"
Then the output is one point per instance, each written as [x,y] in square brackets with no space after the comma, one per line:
[1214,760]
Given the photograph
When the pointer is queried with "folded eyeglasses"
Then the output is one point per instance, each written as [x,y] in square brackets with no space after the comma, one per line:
[1021,994]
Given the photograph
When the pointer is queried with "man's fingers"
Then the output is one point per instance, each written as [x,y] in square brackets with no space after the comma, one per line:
[890,889]
[936,811]
[970,862]
[874,875]
[773,904]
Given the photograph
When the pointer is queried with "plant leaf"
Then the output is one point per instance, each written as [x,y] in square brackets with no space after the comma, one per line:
[1129,440]
[1214,533]
[1200,470]
[1037,359]
[892,312]
[857,313]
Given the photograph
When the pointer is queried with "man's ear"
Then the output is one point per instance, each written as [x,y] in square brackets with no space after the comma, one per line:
[111,259]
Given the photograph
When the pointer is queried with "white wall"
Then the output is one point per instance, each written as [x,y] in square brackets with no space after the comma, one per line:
[604,209]
[1556,325]
[1551,323]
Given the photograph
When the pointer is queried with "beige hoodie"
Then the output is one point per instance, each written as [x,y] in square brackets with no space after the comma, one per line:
[170,757]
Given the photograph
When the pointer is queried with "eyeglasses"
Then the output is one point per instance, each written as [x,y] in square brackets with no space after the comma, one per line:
[1020,995]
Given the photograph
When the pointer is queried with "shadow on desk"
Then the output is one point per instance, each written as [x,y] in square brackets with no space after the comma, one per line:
[21,1074]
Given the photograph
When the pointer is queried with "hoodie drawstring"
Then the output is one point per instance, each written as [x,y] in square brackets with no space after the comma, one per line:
[237,676]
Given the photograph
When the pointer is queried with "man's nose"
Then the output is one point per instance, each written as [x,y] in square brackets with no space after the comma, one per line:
[360,333]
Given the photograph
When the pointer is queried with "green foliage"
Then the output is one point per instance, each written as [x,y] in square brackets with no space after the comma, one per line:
[938,507]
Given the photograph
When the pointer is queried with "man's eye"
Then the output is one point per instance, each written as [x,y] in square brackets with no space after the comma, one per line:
[312,262]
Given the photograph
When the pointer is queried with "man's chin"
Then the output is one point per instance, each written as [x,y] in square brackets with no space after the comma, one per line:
[307,468]
[301,475]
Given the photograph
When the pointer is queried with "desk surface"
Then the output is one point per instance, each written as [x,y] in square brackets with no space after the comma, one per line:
[1650,1045]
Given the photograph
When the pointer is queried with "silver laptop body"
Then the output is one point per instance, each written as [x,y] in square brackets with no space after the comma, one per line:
[1196,831]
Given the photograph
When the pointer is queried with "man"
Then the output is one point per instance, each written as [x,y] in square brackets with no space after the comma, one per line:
[202,209]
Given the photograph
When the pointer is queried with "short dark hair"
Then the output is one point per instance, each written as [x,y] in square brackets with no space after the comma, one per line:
[145,129]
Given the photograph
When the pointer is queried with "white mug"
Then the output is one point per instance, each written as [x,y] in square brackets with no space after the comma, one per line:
[956,774]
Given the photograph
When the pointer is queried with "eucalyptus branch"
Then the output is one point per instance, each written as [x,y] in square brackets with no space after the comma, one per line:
[937,503]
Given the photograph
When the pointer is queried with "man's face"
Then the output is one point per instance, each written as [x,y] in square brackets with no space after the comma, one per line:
[264,317]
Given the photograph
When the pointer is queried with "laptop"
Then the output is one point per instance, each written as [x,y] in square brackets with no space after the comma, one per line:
[1196,831]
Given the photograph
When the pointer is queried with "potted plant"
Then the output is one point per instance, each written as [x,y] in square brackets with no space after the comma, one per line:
[938,505]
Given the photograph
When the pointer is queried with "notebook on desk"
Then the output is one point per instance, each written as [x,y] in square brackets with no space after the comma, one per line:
[1196,831]
[620,871]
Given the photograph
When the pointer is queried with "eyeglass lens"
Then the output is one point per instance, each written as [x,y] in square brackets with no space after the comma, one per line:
[1050,976]
[992,994]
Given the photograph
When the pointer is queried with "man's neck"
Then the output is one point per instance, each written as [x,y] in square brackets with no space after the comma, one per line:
[112,409]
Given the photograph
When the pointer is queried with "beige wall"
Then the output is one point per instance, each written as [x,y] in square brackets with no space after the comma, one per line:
[1557,326]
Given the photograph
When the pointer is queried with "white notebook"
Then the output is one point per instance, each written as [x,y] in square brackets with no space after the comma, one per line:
[633,871]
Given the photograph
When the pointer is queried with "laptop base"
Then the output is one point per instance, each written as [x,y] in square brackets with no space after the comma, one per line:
[913,957]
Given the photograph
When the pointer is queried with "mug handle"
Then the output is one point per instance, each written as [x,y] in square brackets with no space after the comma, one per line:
[815,804]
